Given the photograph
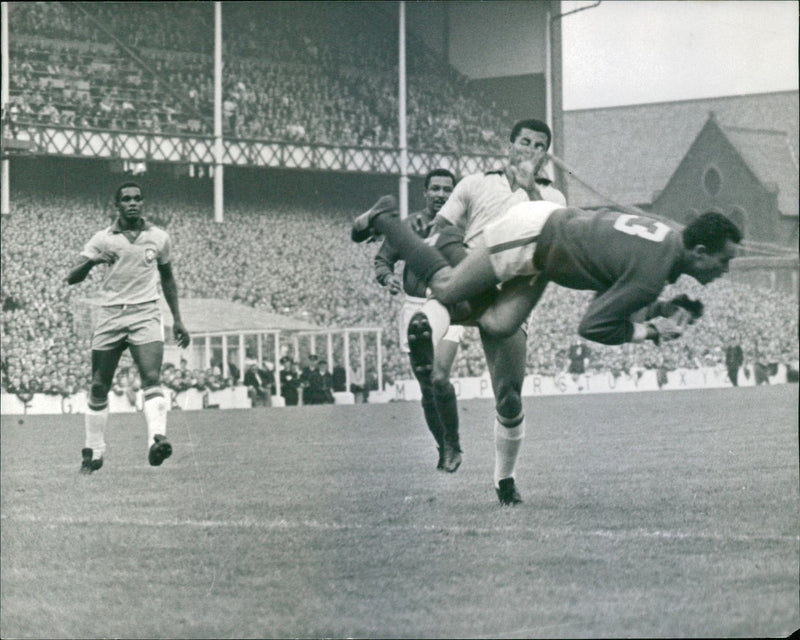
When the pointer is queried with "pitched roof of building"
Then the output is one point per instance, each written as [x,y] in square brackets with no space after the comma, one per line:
[629,153]
[769,156]
[211,315]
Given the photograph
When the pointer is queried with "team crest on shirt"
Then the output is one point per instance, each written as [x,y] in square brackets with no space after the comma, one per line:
[149,255]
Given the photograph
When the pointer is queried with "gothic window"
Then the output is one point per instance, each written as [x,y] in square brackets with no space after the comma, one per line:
[712,181]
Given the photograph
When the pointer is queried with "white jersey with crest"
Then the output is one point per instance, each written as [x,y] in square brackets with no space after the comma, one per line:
[481,198]
[134,277]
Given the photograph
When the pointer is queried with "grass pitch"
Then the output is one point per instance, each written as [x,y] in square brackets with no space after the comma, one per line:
[668,514]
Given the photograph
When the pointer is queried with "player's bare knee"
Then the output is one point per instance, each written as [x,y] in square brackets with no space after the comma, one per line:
[442,385]
[496,325]
[509,406]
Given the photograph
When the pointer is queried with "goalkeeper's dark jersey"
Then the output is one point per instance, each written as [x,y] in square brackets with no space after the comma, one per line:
[627,259]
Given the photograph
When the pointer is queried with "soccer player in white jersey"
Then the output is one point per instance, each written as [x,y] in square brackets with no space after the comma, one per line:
[476,201]
[136,254]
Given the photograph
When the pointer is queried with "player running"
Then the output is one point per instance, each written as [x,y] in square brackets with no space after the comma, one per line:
[137,254]
[439,402]
[626,259]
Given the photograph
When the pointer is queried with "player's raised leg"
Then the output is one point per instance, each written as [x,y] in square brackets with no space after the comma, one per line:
[148,358]
[104,364]
[470,277]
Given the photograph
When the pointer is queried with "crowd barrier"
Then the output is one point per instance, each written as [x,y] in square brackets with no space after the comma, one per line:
[408,390]
[189,400]
[606,382]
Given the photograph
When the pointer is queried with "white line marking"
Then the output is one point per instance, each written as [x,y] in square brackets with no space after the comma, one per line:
[282,523]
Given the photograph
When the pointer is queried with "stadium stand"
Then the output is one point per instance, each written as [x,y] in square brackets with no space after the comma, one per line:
[314,272]
[68,68]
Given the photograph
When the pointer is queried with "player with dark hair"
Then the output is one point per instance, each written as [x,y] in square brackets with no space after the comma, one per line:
[626,259]
[137,254]
[439,402]
[476,201]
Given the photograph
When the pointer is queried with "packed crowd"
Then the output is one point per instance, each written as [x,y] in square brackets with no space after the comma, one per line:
[308,81]
[297,260]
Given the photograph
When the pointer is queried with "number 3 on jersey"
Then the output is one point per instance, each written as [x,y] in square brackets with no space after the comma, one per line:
[650,230]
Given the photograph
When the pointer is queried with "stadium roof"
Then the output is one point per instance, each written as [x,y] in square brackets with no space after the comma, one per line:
[629,153]
[211,315]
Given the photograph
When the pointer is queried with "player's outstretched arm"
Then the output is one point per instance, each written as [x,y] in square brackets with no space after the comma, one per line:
[170,289]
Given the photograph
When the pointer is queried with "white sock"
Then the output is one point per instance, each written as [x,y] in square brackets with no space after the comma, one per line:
[438,317]
[155,414]
[507,442]
[95,423]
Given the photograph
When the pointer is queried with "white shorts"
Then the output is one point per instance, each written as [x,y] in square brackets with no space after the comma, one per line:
[511,239]
[131,323]
[410,306]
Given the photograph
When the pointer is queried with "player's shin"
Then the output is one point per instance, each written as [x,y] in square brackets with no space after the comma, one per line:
[446,406]
[508,436]
[155,413]
[432,416]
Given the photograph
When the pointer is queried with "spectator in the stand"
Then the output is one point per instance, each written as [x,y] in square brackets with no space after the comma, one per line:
[257,388]
[23,387]
[233,370]
[578,356]
[760,366]
[358,385]
[267,372]
[214,379]
[339,376]
[734,358]
[120,385]
[320,385]
[168,382]
[305,375]
[290,381]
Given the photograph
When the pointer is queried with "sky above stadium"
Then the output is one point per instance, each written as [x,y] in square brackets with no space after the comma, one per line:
[624,52]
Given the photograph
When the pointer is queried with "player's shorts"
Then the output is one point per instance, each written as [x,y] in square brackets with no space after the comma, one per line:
[130,323]
[410,307]
[511,239]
